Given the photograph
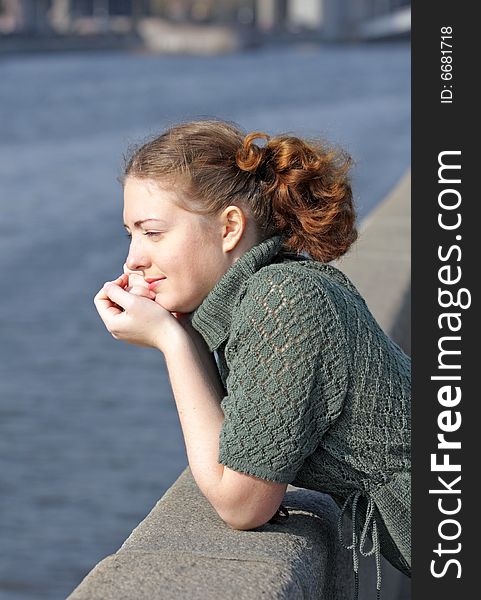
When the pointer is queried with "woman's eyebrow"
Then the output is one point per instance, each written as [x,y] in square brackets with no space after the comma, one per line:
[138,223]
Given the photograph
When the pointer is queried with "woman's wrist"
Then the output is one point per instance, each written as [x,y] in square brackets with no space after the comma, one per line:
[185,340]
[172,338]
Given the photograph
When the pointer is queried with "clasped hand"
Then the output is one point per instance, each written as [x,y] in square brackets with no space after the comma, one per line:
[130,312]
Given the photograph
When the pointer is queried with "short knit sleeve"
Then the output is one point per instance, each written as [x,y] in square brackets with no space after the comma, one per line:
[287,375]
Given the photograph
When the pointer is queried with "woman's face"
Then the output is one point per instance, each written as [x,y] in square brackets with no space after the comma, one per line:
[182,248]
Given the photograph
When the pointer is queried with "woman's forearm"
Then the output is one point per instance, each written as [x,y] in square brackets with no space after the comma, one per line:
[198,392]
[206,357]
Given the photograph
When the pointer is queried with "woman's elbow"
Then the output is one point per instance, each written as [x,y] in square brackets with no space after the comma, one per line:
[246,502]
[245,522]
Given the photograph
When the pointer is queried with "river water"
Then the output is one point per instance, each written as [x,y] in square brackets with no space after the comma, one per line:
[89,434]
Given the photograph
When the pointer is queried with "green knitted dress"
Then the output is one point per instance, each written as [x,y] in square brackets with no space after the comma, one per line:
[317,395]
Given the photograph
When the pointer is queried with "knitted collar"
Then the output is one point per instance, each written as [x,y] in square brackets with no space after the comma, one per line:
[212,319]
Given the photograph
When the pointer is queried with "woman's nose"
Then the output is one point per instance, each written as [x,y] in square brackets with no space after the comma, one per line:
[137,260]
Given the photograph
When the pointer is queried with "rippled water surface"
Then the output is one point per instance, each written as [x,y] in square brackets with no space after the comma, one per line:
[89,435]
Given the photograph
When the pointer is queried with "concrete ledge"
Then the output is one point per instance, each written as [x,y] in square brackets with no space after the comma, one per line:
[379,263]
[183,550]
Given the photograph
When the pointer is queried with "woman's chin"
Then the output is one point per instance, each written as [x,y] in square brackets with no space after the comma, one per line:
[171,306]
[175,304]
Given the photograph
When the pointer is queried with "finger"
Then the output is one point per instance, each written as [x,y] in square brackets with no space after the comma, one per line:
[136,280]
[102,293]
[121,281]
[142,291]
[119,296]
[105,306]
[103,303]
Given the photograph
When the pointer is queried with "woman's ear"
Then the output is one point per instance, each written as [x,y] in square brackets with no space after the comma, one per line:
[233,221]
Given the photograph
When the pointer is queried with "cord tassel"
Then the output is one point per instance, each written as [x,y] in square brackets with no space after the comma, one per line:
[370,526]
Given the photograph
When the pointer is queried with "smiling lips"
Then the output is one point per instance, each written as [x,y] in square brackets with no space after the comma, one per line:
[153,282]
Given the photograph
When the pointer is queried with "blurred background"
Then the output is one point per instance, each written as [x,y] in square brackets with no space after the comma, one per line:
[89,434]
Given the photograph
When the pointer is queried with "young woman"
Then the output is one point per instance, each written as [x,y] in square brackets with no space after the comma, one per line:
[279,371]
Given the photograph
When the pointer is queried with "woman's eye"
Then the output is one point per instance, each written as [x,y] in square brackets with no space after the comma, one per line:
[148,233]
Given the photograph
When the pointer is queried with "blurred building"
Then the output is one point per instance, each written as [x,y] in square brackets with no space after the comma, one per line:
[331,19]
[337,19]
[366,19]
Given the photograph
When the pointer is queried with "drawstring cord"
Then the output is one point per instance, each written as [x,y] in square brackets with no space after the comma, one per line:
[370,524]
[281,515]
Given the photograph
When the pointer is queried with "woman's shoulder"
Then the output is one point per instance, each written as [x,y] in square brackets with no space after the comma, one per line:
[297,275]
[297,294]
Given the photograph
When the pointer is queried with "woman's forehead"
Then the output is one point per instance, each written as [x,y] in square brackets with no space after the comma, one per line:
[142,201]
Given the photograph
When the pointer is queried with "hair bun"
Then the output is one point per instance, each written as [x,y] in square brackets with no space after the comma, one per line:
[250,156]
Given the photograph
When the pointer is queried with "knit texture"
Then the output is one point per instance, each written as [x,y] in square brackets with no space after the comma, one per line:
[317,394]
